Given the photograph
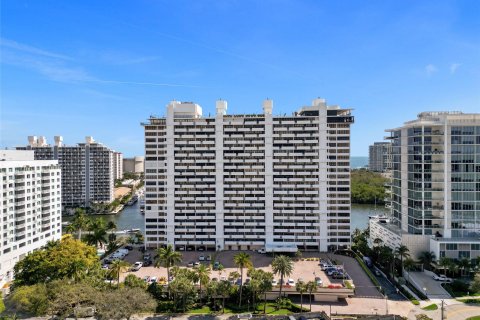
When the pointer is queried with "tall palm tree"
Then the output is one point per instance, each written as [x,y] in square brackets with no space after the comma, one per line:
[167,257]
[117,267]
[203,274]
[408,264]
[242,260]
[301,287]
[445,264]
[464,265]
[283,266]
[426,258]
[80,222]
[402,252]
[265,279]
[98,233]
[311,288]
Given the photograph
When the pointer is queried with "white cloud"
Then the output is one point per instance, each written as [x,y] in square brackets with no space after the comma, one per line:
[430,69]
[454,67]
[32,50]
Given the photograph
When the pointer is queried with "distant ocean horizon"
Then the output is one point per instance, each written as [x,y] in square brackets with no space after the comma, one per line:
[358,162]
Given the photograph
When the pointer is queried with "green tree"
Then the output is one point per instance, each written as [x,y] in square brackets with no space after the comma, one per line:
[30,299]
[65,258]
[464,265]
[80,222]
[242,260]
[367,187]
[123,303]
[97,235]
[203,275]
[403,252]
[265,279]
[167,257]
[117,268]
[409,264]
[184,293]
[445,263]
[283,266]
[311,288]
[65,297]
[132,281]
[475,284]
[224,289]
[426,258]
[301,287]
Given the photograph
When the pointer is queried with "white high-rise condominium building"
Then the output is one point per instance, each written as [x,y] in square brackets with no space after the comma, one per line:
[435,186]
[88,170]
[246,181]
[380,156]
[30,205]
[117,165]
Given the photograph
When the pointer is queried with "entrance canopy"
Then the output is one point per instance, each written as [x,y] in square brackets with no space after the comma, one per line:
[281,247]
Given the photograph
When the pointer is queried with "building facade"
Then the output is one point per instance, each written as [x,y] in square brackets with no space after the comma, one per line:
[88,172]
[135,164]
[240,182]
[380,156]
[436,182]
[117,165]
[30,205]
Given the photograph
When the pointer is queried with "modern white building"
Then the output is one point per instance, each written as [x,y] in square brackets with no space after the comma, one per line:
[246,181]
[436,185]
[30,206]
[117,165]
[380,156]
[88,171]
[135,164]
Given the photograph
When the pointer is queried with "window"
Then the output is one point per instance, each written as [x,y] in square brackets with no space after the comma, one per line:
[463,254]
[475,246]
[452,246]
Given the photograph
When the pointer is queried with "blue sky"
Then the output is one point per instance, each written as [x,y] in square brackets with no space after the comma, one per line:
[77,68]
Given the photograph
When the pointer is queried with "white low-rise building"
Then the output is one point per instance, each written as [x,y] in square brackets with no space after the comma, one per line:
[30,206]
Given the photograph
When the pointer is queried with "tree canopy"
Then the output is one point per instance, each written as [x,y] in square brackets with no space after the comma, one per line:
[65,258]
[367,186]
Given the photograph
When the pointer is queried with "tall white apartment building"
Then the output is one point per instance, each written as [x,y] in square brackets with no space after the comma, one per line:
[134,165]
[117,165]
[30,206]
[88,171]
[246,181]
[380,156]
[435,186]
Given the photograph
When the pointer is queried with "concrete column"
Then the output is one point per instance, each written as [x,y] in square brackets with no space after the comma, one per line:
[221,107]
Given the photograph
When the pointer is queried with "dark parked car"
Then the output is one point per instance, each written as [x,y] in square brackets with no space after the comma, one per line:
[129,247]
[147,263]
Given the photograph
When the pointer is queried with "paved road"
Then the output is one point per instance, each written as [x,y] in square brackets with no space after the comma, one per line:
[364,287]
[434,288]
[390,289]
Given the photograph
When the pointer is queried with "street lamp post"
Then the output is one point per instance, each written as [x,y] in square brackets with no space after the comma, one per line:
[425,291]
[386,304]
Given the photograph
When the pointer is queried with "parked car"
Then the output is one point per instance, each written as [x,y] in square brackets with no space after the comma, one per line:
[274,283]
[330,271]
[181,248]
[244,316]
[190,264]
[137,266]
[441,278]
[262,250]
[201,249]
[238,282]
[291,282]
[377,273]
[153,280]
[196,264]
[147,263]
[146,279]
[201,258]
[339,275]
[147,256]
[325,267]
[209,258]
[300,280]
[129,247]
[318,281]
[105,266]
[216,264]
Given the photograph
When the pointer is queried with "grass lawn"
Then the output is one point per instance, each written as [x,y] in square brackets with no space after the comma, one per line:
[474,318]
[202,310]
[431,307]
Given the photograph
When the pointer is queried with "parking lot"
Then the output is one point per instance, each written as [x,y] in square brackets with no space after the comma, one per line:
[303,269]
[434,289]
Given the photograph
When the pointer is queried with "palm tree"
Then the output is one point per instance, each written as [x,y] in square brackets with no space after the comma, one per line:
[80,222]
[98,233]
[167,257]
[426,258]
[117,267]
[242,260]
[445,264]
[464,265]
[203,275]
[408,264]
[311,288]
[301,287]
[378,242]
[283,266]
[402,252]
[265,280]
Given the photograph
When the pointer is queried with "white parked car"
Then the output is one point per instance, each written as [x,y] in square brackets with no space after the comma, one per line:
[262,250]
[291,282]
[319,281]
[137,266]
[274,283]
[153,280]
[201,258]
[441,278]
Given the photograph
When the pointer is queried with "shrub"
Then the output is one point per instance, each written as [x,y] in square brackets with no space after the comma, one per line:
[415,302]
